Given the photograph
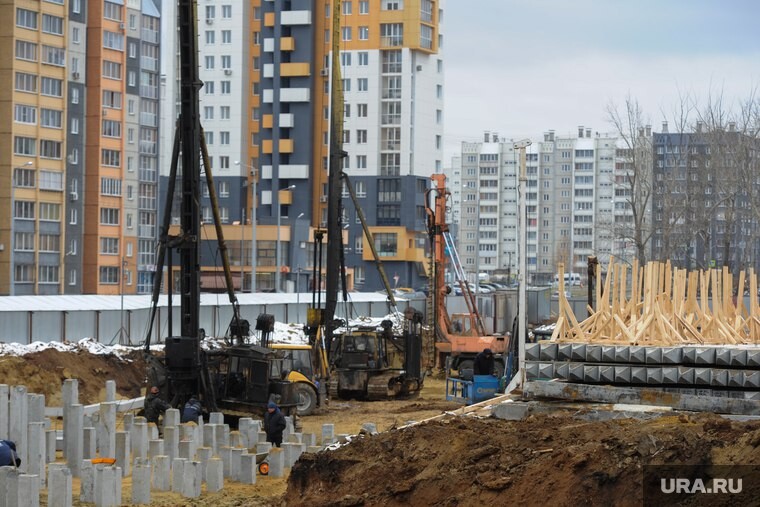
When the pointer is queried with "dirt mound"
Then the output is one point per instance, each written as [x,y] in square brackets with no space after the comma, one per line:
[465,461]
[44,372]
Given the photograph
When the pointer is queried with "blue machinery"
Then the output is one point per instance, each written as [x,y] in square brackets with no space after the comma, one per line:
[480,388]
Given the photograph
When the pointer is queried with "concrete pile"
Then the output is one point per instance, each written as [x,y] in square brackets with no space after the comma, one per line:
[100,453]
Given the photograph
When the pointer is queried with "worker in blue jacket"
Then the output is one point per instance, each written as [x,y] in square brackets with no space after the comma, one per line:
[8,456]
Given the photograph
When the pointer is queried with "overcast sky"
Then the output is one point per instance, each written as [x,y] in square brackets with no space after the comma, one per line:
[523,67]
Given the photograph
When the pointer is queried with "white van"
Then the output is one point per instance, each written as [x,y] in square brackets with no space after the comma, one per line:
[570,279]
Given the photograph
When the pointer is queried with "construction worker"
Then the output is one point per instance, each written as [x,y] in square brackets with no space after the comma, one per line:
[483,364]
[155,408]
[274,424]
[192,410]
[8,456]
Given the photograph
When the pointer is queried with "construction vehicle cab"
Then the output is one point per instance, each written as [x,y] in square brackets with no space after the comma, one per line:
[296,365]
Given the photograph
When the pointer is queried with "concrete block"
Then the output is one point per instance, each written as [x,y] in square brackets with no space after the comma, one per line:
[237,440]
[106,429]
[36,450]
[622,354]
[511,411]
[702,376]
[608,353]
[235,458]
[123,452]
[36,404]
[263,447]
[51,442]
[141,481]
[670,375]
[59,486]
[248,469]
[186,449]
[622,374]
[107,486]
[178,474]
[74,438]
[752,380]
[86,482]
[654,375]
[289,451]
[276,462]
[532,351]
[738,358]
[719,377]
[110,390]
[672,355]
[25,492]
[191,482]
[638,354]
[171,418]
[723,357]
[531,370]
[127,421]
[705,355]
[575,374]
[564,352]
[189,431]
[607,374]
[4,411]
[753,359]
[69,397]
[7,475]
[214,475]
[309,439]
[591,373]
[204,455]
[216,418]
[156,448]
[261,437]
[735,378]
[328,433]
[19,419]
[547,351]
[89,443]
[209,437]
[162,477]
[561,371]
[593,353]
[638,375]
[171,441]
[578,352]
[226,435]
[545,370]
[686,375]
[225,453]
[139,439]
[653,355]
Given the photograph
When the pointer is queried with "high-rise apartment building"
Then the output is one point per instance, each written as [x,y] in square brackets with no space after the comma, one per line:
[80,124]
[570,197]
[265,106]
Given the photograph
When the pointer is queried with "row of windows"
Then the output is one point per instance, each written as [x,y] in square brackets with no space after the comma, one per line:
[24,273]
[28,146]
[210,37]
[47,210]
[29,19]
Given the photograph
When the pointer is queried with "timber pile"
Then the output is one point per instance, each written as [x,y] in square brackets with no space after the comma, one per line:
[663,306]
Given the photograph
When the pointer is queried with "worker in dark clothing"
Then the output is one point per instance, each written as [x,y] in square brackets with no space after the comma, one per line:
[192,410]
[274,424]
[155,408]
[8,456]
[483,363]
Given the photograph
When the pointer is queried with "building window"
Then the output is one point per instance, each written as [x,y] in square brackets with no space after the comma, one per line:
[361,137]
[48,274]
[224,138]
[23,241]
[109,216]
[110,158]
[210,12]
[209,36]
[363,33]
[346,33]
[25,114]
[110,186]
[386,244]
[224,112]
[361,161]
[362,84]
[26,50]
[426,36]
[363,57]
[226,62]
[112,11]
[26,82]
[24,210]
[227,11]
[345,59]
[111,128]
[224,162]
[50,149]
[209,87]
[26,19]
[111,70]
[51,180]
[50,212]
[209,59]
[109,275]
[363,6]
[112,40]
[226,37]
[361,110]
[226,87]
[109,246]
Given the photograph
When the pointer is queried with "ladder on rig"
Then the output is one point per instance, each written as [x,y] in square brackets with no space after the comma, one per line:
[469,297]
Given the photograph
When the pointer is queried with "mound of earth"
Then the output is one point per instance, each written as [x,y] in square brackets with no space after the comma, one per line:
[44,372]
[468,461]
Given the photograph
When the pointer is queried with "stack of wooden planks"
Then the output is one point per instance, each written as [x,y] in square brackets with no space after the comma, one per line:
[656,304]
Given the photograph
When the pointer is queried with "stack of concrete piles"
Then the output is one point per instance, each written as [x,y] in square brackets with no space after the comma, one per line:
[101,451]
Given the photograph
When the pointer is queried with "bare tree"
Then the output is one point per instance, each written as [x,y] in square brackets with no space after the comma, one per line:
[633,175]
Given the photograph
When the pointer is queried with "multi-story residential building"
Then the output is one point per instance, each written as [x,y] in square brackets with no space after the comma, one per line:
[33,133]
[569,204]
[82,87]
[265,108]
[704,184]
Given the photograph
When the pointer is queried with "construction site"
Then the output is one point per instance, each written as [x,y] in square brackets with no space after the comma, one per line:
[648,396]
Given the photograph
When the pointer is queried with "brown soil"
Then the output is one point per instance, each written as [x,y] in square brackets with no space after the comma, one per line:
[44,372]
[451,461]
[486,461]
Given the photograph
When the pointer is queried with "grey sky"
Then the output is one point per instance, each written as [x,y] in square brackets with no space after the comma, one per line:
[522,67]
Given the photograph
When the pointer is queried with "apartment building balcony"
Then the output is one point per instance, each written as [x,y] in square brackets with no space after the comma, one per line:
[148,35]
[146,231]
[149,119]
[391,41]
[148,63]
[149,92]
[148,148]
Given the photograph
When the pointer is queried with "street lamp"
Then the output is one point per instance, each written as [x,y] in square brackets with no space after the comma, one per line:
[277,250]
[253,229]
